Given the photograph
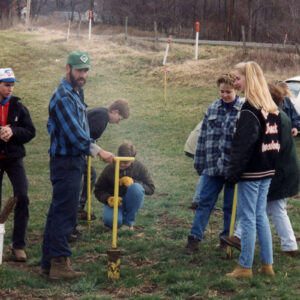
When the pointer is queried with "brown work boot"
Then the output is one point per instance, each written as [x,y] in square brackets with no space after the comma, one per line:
[292,253]
[223,245]
[19,255]
[44,271]
[266,270]
[61,269]
[232,241]
[240,272]
[192,245]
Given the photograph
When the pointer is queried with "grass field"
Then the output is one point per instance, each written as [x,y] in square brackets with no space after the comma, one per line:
[152,263]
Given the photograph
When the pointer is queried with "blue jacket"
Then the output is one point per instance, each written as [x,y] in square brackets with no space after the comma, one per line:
[291,112]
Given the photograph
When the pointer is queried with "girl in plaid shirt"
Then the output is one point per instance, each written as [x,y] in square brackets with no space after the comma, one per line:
[212,157]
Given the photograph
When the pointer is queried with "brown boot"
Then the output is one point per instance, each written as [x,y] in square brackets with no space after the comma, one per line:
[232,241]
[266,270]
[61,269]
[240,272]
[19,255]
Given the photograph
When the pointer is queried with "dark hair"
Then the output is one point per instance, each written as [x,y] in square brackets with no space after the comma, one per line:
[127,149]
[122,106]
[277,93]
[227,79]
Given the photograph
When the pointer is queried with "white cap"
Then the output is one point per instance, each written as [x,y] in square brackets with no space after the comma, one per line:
[7,75]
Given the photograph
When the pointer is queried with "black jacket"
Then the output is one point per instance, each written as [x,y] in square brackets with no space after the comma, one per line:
[97,119]
[22,127]
[286,181]
[255,145]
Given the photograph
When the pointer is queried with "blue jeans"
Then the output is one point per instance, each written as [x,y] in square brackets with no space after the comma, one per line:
[132,201]
[65,175]
[211,187]
[196,198]
[251,209]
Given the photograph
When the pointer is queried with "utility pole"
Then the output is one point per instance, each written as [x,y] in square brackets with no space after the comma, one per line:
[28,13]
[229,21]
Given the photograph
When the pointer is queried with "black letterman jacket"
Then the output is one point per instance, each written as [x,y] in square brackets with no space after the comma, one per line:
[255,145]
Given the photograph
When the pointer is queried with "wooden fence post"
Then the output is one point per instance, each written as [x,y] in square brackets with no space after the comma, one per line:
[126,28]
[155,35]
[244,40]
[28,13]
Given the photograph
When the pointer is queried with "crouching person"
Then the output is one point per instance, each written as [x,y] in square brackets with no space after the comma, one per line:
[135,182]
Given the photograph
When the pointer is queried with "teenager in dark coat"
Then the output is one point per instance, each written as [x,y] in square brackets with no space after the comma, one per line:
[16,130]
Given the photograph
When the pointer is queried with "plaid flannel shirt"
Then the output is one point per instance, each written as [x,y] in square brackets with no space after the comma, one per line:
[67,124]
[215,138]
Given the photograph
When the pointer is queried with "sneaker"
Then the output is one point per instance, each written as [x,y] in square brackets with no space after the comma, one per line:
[232,241]
[82,215]
[192,245]
[126,227]
[19,255]
[75,235]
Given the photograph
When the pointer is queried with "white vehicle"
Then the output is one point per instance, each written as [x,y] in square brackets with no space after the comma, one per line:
[294,86]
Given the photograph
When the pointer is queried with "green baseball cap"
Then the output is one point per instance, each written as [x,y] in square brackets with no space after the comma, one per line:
[79,60]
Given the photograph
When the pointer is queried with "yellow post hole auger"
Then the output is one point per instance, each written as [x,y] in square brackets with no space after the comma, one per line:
[232,220]
[113,254]
[89,204]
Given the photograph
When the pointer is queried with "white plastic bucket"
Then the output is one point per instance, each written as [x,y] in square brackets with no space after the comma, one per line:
[2,231]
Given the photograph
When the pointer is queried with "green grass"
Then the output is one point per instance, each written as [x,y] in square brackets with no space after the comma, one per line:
[152,264]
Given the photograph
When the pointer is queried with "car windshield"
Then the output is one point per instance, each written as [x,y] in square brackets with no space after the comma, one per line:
[294,87]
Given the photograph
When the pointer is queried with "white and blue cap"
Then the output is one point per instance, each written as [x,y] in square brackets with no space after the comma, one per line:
[7,75]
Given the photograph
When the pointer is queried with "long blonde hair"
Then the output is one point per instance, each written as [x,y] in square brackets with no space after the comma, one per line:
[256,88]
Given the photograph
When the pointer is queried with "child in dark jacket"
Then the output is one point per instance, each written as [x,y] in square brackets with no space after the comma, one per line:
[135,182]
[16,130]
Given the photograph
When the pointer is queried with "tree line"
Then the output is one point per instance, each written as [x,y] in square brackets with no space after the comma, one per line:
[264,21]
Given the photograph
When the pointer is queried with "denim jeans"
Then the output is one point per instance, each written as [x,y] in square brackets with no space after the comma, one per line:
[251,210]
[65,174]
[211,187]
[196,198]
[132,201]
[277,211]
[15,171]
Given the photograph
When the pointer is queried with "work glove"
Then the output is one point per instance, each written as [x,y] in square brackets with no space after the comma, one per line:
[126,180]
[110,201]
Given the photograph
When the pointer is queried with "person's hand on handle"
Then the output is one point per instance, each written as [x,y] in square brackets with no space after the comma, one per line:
[106,156]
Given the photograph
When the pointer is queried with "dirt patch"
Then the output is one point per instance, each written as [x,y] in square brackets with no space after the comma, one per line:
[166,221]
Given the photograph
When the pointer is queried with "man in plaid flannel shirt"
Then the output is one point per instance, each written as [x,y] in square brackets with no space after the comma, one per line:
[70,143]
